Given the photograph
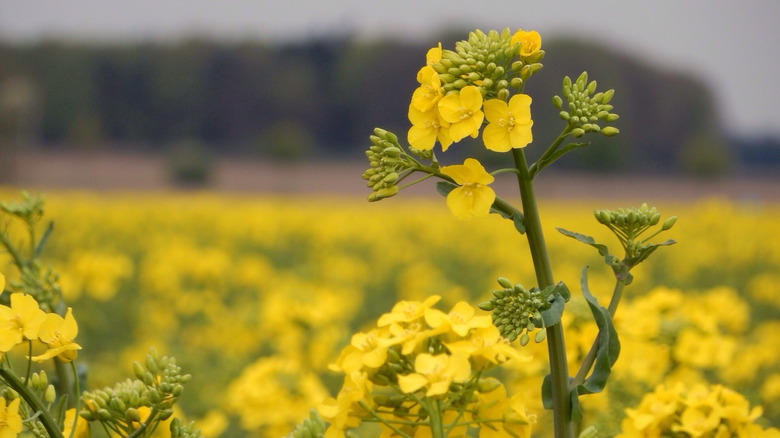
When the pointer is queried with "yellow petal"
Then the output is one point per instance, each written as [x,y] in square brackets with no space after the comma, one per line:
[521,136]
[496,138]
[520,107]
[411,382]
[495,110]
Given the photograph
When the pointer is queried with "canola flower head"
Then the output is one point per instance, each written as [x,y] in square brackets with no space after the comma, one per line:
[463,111]
[473,197]
[10,420]
[530,42]
[516,311]
[509,123]
[21,320]
[58,333]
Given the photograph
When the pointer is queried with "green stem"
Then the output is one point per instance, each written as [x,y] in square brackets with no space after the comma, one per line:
[559,373]
[590,358]
[76,406]
[435,419]
[35,403]
[541,163]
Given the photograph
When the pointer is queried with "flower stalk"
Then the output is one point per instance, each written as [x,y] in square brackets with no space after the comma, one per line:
[555,342]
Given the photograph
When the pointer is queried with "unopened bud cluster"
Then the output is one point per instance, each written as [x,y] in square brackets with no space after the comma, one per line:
[489,61]
[628,224]
[157,387]
[516,311]
[388,162]
[585,108]
[180,430]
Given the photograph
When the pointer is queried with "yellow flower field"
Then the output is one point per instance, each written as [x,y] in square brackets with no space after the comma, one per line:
[257,295]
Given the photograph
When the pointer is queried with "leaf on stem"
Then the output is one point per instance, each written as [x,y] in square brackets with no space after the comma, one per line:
[609,344]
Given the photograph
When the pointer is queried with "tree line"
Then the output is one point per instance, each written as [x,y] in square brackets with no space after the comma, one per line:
[322,98]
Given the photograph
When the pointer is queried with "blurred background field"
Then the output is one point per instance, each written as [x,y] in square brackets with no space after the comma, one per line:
[202,167]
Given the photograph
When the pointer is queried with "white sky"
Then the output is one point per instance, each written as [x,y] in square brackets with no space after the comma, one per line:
[732,44]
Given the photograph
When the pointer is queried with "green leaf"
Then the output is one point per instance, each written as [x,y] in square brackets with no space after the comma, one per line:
[552,315]
[586,240]
[445,187]
[515,216]
[547,397]
[609,345]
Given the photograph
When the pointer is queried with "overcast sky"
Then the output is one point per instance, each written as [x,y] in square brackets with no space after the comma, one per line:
[733,45]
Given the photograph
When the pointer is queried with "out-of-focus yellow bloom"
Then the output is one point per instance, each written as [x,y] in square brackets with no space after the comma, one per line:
[427,127]
[10,421]
[530,41]
[58,334]
[435,372]
[473,198]
[407,311]
[22,320]
[428,94]
[486,348]
[510,124]
[463,111]
[82,426]
[2,282]
[459,320]
[344,411]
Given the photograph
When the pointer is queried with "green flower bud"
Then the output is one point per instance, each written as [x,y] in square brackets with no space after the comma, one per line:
[577,132]
[138,370]
[131,414]
[487,384]
[50,395]
[104,414]
[668,223]
[610,131]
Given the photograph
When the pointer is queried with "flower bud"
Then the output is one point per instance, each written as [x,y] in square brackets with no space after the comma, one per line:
[131,414]
[488,384]
[610,131]
[668,223]
[50,395]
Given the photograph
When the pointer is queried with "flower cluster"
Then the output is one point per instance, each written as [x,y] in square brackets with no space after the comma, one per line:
[583,111]
[422,368]
[701,411]
[24,321]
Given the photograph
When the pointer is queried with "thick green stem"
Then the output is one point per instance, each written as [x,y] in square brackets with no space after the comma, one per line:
[35,403]
[559,372]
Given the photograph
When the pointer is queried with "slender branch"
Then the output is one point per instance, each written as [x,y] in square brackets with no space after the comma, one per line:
[540,163]
[555,344]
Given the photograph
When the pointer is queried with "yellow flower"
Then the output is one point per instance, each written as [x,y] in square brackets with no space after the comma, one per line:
[530,41]
[344,411]
[428,94]
[407,311]
[427,127]
[10,421]
[473,198]
[434,55]
[460,320]
[510,125]
[486,348]
[22,320]
[58,334]
[82,426]
[436,373]
[464,111]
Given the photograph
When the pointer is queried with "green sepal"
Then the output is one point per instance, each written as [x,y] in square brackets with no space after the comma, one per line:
[609,344]
[445,187]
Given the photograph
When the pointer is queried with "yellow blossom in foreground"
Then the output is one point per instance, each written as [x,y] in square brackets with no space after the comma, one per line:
[464,111]
[22,320]
[407,311]
[427,95]
[10,421]
[473,198]
[58,334]
[427,127]
[344,411]
[530,41]
[436,373]
[510,124]
[82,426]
